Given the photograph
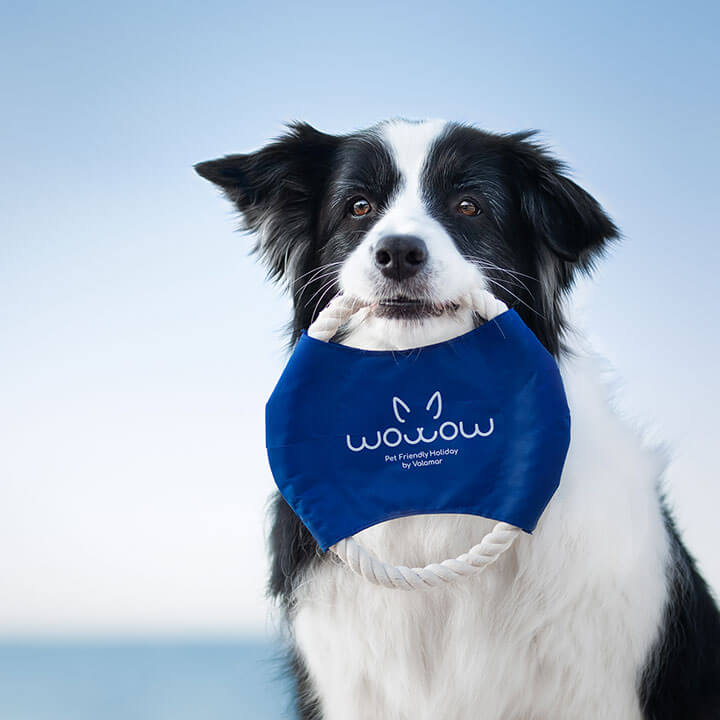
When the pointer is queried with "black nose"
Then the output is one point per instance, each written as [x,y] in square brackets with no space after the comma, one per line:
[400,256]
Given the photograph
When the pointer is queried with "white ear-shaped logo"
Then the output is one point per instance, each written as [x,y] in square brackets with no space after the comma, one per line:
[397,404]
[435,397]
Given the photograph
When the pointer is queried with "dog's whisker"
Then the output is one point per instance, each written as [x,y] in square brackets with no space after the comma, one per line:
[317,305]
[490,266]
[316,270]
[485,265]
[513,281]
[324,271]
[519,299]
[320,289]
[314,280]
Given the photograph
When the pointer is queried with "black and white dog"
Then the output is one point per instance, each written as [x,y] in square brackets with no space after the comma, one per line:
[601,613]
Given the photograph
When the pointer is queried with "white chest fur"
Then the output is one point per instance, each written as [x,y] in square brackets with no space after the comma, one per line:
[559,628]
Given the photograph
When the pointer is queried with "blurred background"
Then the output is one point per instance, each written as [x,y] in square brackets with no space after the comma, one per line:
[139,340]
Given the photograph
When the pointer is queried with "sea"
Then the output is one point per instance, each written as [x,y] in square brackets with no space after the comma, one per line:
[142,679]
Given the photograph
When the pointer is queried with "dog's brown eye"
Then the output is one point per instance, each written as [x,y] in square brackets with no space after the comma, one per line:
[360,207]
[468,207]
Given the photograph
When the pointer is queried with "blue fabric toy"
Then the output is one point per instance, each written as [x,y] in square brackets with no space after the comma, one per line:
[478,424]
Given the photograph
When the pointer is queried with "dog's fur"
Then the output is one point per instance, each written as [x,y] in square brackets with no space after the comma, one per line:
[601,613]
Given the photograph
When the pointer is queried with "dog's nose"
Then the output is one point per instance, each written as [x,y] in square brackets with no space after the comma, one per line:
[400,256]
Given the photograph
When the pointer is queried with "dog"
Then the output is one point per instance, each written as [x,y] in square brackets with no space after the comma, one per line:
[601,613]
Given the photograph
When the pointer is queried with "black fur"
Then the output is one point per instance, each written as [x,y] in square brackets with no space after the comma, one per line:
[537,224]
[682,678]
[279,189]
[292,549]
[307,705]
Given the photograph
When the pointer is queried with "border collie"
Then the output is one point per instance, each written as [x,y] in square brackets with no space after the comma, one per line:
[601,613]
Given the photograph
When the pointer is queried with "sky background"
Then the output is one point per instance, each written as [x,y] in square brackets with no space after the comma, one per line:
[139,341]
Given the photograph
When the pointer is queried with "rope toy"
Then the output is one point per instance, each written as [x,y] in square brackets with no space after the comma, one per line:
[475,425]
[364,563]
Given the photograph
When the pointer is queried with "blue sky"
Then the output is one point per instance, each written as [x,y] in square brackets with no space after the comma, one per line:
[139,340]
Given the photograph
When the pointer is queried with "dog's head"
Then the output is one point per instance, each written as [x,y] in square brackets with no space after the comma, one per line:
[410,216]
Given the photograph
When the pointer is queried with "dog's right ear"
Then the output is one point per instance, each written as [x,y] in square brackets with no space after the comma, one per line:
[277,191]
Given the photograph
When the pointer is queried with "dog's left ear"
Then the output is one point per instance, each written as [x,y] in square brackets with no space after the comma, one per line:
[277,190]
[560,214]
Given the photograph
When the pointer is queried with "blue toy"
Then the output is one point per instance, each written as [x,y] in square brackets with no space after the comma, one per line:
[478,425]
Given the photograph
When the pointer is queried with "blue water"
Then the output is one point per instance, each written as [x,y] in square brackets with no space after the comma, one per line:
[141,680]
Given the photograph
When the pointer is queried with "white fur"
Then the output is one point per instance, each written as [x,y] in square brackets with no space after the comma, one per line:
[560,627]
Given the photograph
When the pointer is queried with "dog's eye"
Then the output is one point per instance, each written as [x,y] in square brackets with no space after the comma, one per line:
[360,207]
[468,207]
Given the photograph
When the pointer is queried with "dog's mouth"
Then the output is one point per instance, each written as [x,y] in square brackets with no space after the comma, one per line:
[402,307]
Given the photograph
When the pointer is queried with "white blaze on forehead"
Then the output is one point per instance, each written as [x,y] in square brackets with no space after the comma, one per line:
[409,144]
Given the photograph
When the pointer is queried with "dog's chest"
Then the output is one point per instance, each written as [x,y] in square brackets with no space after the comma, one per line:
[560,627]
[498,646]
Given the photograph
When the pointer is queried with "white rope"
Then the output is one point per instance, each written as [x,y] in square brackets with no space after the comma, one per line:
[360,560]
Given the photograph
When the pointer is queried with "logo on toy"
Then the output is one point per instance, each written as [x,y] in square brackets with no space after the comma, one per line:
[392,436]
